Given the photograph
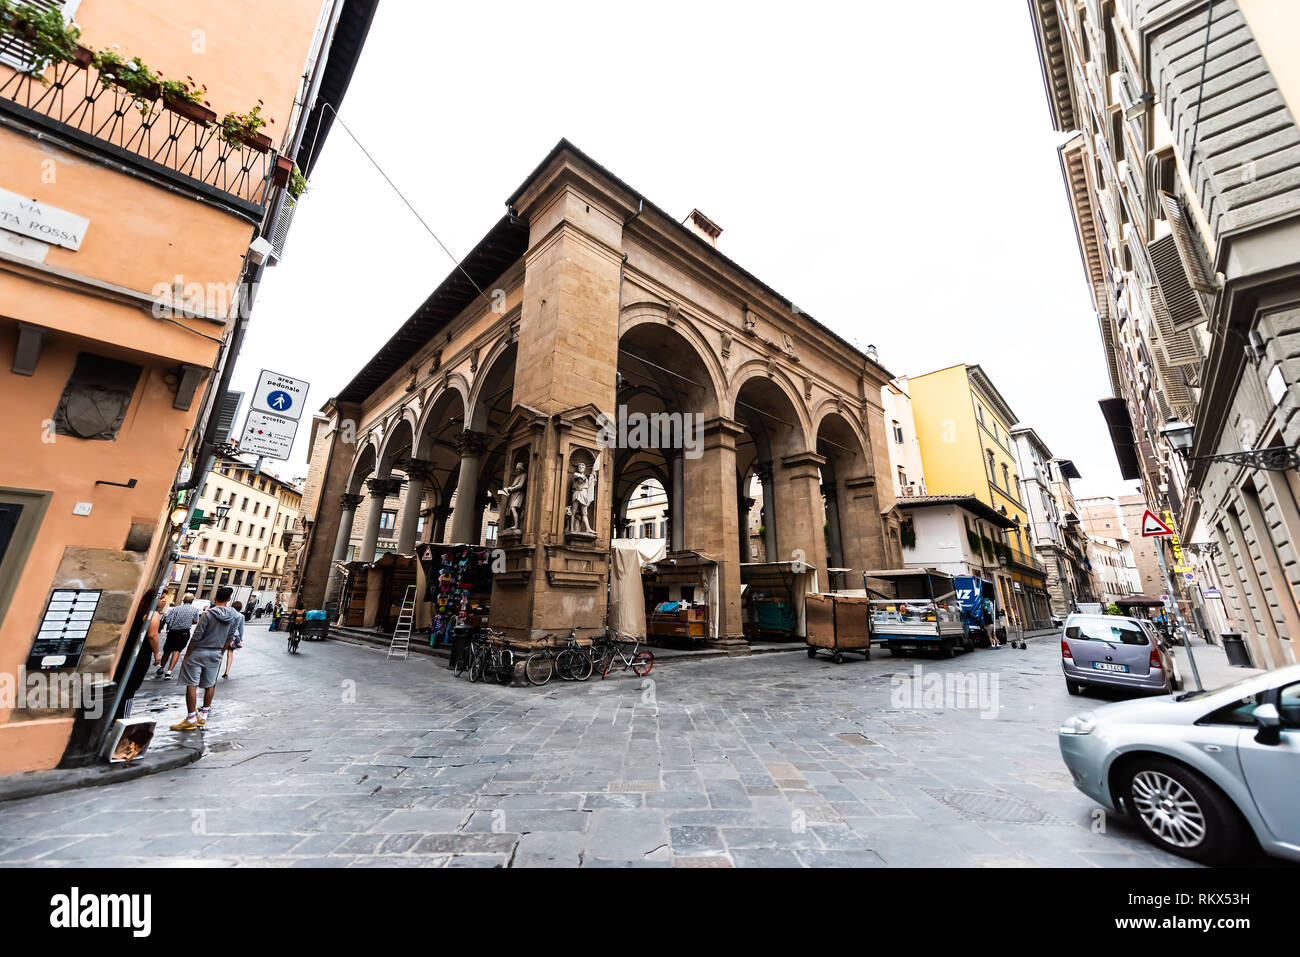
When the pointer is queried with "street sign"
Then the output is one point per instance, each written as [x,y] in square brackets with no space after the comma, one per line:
[1211,593]
[280,395]
[1152,526]
[270,436]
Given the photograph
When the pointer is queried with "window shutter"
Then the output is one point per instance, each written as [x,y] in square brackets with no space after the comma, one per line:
[1178,267]
[17,52]
[1177,344]
[226,414]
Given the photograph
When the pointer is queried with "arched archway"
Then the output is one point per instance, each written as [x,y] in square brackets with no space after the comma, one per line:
[437,456]
[776,436]
[854,538]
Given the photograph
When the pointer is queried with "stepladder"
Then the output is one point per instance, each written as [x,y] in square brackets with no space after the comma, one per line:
[401,642]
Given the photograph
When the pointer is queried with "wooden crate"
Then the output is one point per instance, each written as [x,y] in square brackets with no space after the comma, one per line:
[851,628]
[819,618]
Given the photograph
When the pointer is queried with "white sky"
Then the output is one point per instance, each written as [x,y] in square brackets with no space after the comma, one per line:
[890,167]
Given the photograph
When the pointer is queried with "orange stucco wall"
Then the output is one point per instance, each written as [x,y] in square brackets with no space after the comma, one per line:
[140,236]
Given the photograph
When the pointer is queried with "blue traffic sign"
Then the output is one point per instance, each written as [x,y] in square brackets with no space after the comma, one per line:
[279,400]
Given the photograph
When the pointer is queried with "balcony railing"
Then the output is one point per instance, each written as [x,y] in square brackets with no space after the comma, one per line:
[151,135]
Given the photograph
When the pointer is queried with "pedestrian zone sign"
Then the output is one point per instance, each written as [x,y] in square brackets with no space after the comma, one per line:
[1152,526]
[280,395]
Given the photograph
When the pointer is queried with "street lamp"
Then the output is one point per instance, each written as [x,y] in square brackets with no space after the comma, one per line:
[1179,435]
[223,510]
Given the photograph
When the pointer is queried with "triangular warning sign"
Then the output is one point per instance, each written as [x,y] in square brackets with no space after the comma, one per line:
[1152,526]
[428,554]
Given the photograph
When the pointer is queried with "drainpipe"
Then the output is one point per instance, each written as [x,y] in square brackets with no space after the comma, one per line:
[623,262]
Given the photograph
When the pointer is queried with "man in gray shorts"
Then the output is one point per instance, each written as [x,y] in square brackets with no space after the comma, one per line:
[212,635]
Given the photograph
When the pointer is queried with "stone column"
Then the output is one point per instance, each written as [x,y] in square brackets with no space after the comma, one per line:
[438,523]
[742,520]
[349,502]
[765,478]
[677,503]
[471,445]
[802,514]
[712,478]
[417,473]
[379,489]
[862,537]
[835,547]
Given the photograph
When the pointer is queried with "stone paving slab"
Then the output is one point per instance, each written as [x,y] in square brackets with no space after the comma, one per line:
[336,757]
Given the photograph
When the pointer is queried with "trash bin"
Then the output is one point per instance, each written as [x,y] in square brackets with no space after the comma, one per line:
[1238,653]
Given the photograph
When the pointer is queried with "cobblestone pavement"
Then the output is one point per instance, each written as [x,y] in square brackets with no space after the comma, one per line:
[338,758]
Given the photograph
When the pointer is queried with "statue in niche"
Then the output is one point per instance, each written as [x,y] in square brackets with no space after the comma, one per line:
[582,494]
[512,496]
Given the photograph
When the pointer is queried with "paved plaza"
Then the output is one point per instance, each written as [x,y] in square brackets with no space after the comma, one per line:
[337,757]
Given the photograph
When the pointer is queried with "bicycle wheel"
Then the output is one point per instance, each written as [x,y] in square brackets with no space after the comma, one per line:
[642,662]
[462,660]
[539,667]
[476,668]
[578,663]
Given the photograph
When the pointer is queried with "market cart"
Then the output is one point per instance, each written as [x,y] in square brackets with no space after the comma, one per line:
[838,624]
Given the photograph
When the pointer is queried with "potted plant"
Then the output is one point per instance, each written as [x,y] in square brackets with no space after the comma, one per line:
[44,30]
[184,98]
[131,76]
[297,184]
[243,129]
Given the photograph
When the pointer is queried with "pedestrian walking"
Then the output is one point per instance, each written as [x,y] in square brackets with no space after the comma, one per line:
[149,653]
[276,611]
[213,634]
[237,641]
[178,622]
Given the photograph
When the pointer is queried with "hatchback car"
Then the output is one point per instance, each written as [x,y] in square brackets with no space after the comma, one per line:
[1198,772]
[1114,651]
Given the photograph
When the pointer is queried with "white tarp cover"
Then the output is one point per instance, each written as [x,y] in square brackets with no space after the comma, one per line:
[626,596]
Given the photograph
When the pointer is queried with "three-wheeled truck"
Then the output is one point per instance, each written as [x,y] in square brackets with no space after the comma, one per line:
[915,609]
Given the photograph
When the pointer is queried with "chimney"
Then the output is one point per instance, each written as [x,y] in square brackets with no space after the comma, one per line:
[703,227]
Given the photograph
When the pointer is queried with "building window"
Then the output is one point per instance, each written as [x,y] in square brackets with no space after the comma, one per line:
[239,528]
[898,433]
[238,578]
[95,400]
[244,556]
[225,577]
[388,520]
[902,478]
[993,475]
[210,576]
[243,507]
[1006,477]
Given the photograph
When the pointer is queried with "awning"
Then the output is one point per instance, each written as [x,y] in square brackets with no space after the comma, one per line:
[1139,601]
[1121,437]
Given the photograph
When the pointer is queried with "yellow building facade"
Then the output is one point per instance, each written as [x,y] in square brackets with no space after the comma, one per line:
[963,425]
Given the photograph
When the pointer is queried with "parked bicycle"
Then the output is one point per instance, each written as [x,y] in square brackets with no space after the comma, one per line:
[607,650]
[498,658]
[570,663]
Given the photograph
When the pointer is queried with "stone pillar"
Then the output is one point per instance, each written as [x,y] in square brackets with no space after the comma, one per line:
[438,523]
[742,520]
[835,547]
[380,489]
[801,514]
[712,478]
[417,473]
[677,503]
[765,478]
[349,502]
[862,537]
[471,445]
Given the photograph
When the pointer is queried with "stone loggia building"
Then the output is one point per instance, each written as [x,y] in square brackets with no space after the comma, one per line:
[587,301]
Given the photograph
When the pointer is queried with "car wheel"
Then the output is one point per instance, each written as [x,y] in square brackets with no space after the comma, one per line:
[1074,687]
[1181,811]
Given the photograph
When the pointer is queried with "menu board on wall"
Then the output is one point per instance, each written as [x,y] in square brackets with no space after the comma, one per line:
[64,628]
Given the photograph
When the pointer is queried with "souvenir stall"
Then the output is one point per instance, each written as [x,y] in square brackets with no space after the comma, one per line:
[458,586]
[772,599]
[681,597]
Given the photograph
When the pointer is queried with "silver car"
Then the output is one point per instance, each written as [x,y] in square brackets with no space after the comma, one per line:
[1198,772]
[1114,651]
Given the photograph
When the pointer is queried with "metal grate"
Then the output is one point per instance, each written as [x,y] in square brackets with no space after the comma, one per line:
[993,807]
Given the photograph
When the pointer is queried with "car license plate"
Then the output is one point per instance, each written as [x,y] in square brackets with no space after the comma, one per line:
[1109,666]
